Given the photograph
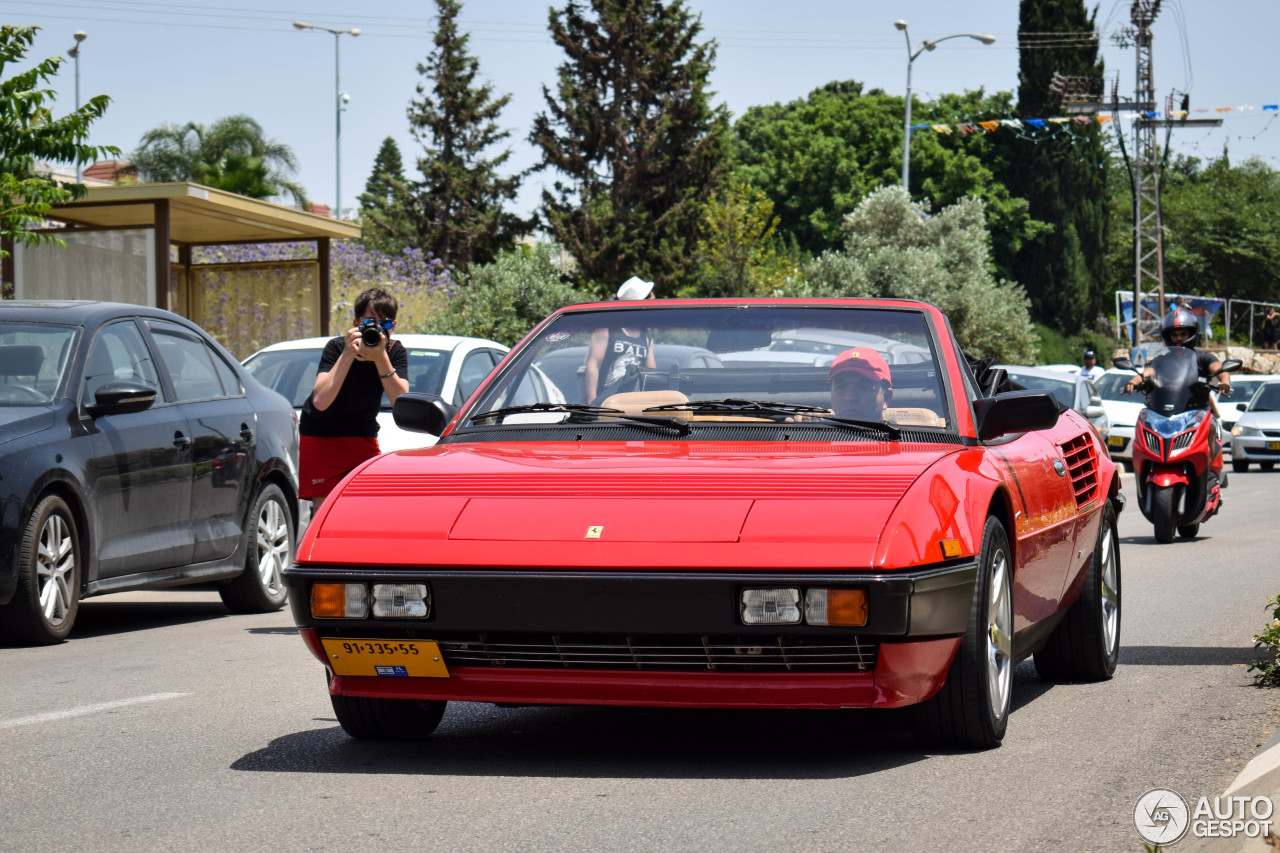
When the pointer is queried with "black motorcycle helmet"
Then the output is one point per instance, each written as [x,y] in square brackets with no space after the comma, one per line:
[1180,318]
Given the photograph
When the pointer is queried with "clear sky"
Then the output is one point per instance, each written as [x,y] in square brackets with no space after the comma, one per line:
[181,60]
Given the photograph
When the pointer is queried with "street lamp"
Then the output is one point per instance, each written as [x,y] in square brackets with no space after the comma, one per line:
[74,53]
[985,38]
[340,99]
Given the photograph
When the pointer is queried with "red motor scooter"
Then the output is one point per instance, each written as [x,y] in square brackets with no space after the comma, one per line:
[1177,447]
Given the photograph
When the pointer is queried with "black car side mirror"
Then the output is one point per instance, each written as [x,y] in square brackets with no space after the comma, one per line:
[422,413]
[121,398]
[1014,411]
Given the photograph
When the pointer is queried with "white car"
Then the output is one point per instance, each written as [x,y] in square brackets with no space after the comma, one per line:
[1073,391]
[448,366]
[1122,411]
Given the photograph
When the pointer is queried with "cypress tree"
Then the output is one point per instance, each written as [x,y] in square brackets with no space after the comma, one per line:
[384,220]
[457,207]
[1063,177]
[632,130]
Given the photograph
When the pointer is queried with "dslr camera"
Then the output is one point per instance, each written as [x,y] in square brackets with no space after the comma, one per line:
[370,333]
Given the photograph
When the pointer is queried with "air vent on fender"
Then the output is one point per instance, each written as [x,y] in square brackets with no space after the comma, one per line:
[1082,466]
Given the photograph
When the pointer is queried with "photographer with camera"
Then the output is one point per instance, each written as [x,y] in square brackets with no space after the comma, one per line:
[339,423]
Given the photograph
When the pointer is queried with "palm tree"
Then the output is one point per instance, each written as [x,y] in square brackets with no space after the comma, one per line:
[232,154]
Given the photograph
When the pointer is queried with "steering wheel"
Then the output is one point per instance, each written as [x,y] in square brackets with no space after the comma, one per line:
[7,392]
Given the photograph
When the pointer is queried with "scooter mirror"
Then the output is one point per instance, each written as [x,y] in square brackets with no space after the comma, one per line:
[1230,364]
[1122,363]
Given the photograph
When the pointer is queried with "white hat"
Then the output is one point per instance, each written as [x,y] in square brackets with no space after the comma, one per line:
[635,288]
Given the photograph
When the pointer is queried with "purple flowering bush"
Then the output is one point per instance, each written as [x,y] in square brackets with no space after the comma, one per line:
[255,294]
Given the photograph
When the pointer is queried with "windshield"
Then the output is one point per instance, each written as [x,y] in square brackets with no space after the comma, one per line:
[1111,386]
[1267,398]
[716,365]
[1242,388]
[292,372]
[33,361]
[1062,389]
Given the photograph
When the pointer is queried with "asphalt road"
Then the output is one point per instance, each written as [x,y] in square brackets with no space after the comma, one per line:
[167,724]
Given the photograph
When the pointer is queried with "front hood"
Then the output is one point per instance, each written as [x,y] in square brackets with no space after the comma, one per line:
[17,421]
[595,496]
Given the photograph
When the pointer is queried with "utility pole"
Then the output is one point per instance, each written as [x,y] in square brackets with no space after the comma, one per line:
[1144,168]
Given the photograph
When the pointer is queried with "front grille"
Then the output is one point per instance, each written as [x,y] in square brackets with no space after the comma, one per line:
[688,653]
[1153,442]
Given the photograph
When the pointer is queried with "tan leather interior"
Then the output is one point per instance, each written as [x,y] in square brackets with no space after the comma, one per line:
[913,417]
[635,402]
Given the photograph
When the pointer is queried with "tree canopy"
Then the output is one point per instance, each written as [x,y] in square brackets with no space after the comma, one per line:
[632,132]
[894,248]
[31,136]
[458,208]
[385,224]
[1064,177]
[232,154]
[815,158]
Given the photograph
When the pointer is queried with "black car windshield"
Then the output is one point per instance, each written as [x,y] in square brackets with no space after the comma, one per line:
[33,361]
[721,365]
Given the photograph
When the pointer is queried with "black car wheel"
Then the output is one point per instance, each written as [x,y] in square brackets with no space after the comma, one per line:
[1086,645]
[1266,466]
[260,587]
[1239,465]
[44,606]
[971,711]
[387,719]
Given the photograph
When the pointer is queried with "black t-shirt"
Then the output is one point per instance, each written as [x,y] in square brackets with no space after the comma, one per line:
[354,412]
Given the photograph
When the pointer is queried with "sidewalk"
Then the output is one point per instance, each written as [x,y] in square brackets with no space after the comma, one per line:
[1260,777]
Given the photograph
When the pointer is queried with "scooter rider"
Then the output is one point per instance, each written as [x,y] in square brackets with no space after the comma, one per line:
[1179,328]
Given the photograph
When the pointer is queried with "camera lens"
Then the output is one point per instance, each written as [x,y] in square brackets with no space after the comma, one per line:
[370,334]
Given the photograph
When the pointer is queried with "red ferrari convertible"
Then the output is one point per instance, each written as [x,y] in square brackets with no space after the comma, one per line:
[770,520]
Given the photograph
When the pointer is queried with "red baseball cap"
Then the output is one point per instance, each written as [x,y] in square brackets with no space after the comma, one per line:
[865,360]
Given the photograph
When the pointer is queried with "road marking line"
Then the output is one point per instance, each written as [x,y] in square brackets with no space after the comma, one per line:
[87,709]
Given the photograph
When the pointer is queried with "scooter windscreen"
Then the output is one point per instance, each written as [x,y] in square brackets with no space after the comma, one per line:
[1175,382]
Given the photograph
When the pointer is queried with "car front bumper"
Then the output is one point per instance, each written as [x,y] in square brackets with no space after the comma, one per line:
[1120,443]
[659,638]
[1256,448]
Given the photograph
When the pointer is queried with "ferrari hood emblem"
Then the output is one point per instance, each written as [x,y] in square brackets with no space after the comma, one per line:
[594,531]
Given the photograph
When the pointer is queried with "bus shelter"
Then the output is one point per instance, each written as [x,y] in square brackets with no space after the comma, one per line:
[142,244]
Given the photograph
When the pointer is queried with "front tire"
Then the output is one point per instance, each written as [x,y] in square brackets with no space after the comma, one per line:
[1086,645]
[1239,465]
[971,711]
[1163,515]
[260,587]
[1266,466]
[45,604]
[1189,531]
[387,719]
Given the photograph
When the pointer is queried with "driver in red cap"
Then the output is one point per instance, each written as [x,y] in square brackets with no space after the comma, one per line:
[860,384]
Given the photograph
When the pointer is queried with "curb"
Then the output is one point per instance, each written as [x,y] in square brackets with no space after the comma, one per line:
[1260,777]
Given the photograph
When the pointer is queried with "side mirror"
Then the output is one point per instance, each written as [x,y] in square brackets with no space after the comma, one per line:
[1240,407]
[422,413]
[1091,411]
[1123,363]
[1230,365]
[1014,411]
[121,398]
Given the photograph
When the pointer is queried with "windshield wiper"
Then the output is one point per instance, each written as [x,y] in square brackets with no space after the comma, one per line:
[768,408]
[581,413]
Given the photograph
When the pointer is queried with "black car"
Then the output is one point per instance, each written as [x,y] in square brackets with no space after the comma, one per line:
[135,453]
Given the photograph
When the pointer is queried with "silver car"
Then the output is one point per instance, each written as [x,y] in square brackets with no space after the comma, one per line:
[1256,435]
[1072,390]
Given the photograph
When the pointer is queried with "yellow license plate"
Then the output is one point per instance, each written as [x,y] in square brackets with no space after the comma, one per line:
[1115,440]
[386,658]
[1273,445]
